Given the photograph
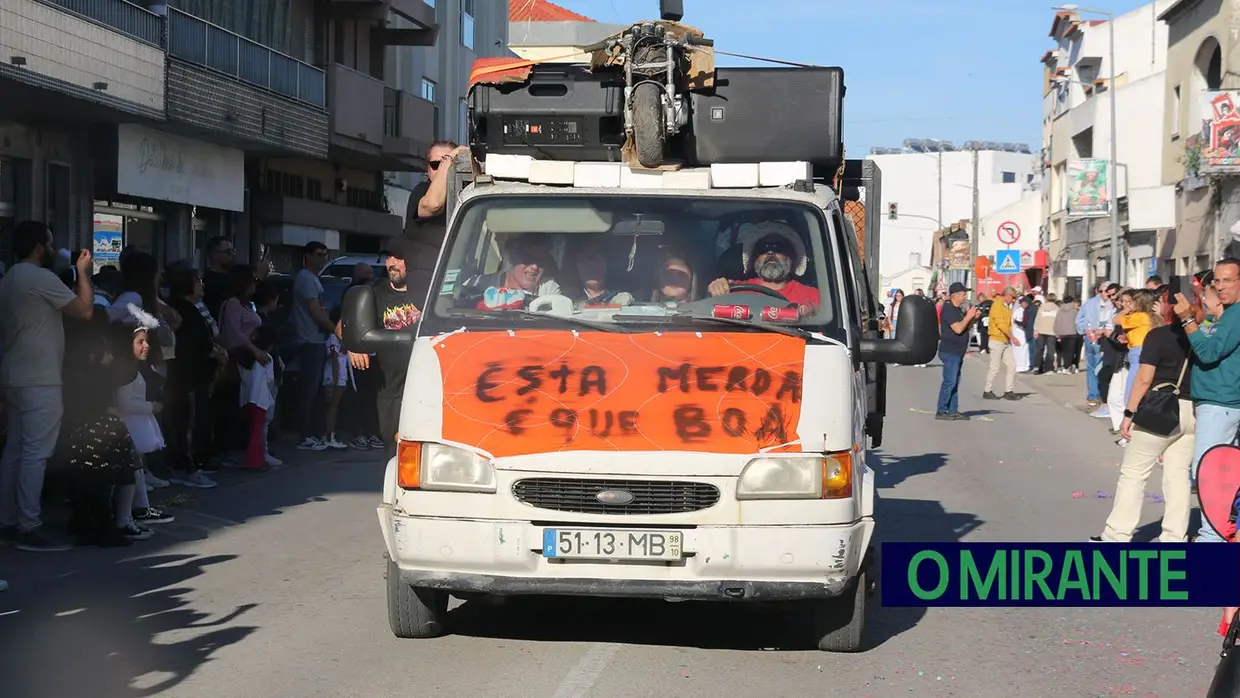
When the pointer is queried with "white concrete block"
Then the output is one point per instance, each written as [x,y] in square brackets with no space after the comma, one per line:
[734,176]
[778,174]
[698,178]
[600,175]
[552,172]
[508,166]
[640,179]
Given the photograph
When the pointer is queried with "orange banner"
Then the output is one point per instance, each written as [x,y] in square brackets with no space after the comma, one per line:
[545,391]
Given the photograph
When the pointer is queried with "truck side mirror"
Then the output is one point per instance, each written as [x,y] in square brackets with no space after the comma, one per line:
[916,340]
[361,328]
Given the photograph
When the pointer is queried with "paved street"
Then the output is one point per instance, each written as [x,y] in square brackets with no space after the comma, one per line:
[274,587]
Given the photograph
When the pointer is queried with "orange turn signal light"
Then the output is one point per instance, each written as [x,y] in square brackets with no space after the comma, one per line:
[837,482]
[409,464]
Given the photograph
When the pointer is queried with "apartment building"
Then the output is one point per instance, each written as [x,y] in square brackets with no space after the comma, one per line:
[1079,84]
[275,123]
[1201,156]
[439,74]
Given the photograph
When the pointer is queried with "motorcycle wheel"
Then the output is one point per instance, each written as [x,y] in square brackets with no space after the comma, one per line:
[648,131]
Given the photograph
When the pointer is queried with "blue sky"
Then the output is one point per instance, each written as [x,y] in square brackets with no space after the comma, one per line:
[957,70]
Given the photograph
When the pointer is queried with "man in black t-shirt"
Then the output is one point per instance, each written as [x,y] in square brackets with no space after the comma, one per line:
[954,326]
[397,299]
[426,217]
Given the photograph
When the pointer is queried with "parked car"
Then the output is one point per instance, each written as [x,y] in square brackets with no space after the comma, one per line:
[342,267]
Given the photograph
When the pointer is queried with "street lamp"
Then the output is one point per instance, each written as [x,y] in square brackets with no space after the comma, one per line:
[1114,159]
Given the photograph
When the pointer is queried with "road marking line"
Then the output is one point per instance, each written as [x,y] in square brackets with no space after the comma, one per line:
[582,677]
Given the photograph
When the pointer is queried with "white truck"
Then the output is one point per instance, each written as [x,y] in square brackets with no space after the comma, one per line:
[631,383]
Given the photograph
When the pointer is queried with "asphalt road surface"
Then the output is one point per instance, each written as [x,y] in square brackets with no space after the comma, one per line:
[274,587]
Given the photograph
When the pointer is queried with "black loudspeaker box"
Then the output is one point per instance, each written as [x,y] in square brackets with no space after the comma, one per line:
[768,115]
[562,112]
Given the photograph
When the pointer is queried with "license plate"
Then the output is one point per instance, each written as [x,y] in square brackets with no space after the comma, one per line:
[612,545]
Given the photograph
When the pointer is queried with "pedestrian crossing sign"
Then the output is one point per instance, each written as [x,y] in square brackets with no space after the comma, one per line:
[1007,261]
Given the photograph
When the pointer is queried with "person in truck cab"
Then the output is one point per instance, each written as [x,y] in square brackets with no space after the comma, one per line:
[527,259]
[676,283]
[585,274]
[777,254]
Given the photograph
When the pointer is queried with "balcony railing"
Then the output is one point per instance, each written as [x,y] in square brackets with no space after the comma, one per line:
[198,41]
[125,17]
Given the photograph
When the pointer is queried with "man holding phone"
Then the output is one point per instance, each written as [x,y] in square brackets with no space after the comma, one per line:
[1216,366]
[954,323]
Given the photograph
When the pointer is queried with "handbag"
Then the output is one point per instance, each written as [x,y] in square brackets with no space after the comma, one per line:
[1159,410]
[1226,683]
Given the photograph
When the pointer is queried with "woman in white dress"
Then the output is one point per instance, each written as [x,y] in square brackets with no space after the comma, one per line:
[1021,354]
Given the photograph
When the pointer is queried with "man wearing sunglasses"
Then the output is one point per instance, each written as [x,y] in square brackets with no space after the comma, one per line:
[426,217]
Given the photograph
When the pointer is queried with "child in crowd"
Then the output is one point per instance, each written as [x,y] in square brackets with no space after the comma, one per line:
[258,399]
[337,375]
[95,450]
[133,509]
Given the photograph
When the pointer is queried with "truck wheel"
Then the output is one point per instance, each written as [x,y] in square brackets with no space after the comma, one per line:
[413,612]
[648,130]
[839,623]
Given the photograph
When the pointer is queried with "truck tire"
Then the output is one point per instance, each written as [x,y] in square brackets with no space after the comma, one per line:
[413,612]
[648,129]
[839,623]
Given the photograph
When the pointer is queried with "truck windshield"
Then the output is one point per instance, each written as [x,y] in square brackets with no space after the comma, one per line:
[628,261]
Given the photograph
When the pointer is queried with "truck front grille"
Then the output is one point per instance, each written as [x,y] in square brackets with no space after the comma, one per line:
[649,496]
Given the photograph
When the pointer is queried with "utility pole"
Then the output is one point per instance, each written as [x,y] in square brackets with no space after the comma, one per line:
[975,232]
[940,217]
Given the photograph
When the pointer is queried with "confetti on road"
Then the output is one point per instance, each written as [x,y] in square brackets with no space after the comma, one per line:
[1078,494]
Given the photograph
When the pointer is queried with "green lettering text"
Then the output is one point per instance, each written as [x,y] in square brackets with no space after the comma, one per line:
[944,575]
[1073,576]
[1102,568]
[1037,577]
[970,577]
[1166,575]
[1143,558]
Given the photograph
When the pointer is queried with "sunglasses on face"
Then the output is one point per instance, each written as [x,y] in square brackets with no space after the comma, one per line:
[434,165]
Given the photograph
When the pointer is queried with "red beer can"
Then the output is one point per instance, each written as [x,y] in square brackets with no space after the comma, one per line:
[770,314]
[735,312]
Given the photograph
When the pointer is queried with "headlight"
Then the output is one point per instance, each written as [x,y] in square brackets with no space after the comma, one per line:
[798,477]
[428,466]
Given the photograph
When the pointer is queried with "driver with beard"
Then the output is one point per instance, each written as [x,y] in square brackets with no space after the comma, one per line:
[777,255]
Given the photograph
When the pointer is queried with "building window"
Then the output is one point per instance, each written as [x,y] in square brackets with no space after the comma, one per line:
[1008,177]
[467,24]
[428,90]
[1175,112]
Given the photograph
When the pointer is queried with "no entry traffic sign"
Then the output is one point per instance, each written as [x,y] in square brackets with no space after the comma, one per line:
[1009,233]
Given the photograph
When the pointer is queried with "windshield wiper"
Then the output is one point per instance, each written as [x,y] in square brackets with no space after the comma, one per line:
[672,319]
[527,315]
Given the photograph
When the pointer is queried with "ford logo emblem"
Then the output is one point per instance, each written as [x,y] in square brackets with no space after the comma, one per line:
[615,497]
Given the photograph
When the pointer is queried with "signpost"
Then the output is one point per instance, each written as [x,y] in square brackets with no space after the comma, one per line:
[1007,261]
[1009,233]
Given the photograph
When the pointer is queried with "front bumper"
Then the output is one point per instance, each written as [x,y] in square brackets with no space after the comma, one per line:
[738,563]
